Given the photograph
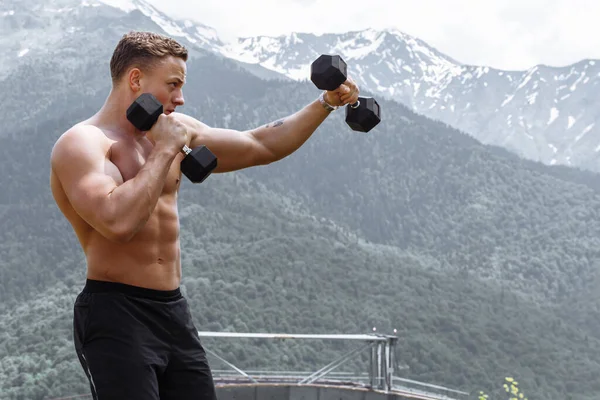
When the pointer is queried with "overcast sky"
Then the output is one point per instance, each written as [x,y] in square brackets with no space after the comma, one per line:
[507,34]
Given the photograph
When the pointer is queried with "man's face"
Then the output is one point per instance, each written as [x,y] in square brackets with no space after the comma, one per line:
[166,81]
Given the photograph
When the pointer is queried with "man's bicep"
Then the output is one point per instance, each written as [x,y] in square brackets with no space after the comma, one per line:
[81,167]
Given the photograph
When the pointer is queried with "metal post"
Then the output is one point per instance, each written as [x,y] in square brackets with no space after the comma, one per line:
[389,356]
[373,367]
[379,371]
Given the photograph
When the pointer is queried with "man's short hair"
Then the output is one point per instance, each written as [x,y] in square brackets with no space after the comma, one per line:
[142,50]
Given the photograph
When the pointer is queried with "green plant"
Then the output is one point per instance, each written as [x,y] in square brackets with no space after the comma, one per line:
[512,388]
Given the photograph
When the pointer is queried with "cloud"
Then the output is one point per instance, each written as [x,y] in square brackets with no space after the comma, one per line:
[508,34]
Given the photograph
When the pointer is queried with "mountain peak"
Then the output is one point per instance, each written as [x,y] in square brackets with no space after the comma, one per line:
[193,31]
[291,54]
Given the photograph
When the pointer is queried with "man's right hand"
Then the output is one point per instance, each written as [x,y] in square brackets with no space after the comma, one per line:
[168,133]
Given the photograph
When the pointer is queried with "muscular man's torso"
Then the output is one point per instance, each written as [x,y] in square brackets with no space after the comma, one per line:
[152,257]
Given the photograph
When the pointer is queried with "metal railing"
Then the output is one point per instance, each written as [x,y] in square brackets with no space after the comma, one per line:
[380,376]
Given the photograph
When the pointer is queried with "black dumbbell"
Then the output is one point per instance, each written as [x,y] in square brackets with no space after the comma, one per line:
[197,164]
[328,72]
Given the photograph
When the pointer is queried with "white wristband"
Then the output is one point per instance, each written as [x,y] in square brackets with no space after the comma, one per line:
[326,105]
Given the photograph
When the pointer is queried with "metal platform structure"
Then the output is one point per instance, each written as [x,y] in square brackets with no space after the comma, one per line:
[378,383]
[380,376]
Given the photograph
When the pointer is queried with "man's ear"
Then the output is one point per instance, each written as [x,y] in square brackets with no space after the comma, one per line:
[134,77]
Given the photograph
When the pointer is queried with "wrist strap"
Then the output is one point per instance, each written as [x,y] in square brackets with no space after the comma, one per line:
[326,105]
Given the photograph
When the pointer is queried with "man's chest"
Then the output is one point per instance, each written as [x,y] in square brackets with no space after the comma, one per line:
[130,160]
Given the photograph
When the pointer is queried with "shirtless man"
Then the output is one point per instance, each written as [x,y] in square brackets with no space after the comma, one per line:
[133,331]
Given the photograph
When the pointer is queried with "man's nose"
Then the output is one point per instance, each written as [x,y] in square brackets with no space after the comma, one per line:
[179,100]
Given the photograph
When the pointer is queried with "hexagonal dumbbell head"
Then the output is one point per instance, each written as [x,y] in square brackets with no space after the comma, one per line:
[328,72]
[365,117]
[198,164]
[144,111]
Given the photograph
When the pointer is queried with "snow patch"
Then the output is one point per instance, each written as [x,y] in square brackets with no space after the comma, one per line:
[585,130]
[7,13]
[436,66]
[481,71]
[553,147]
[85,3]
[59,10]
[292,39]
[553,115]
[205,31]
[432,92]
[23,52]
[574,85]
[350,50]
[527,78]
[125,5]
[298,74]
[571,121]
[249,50]
[416,86]
[508,99]
[531,98]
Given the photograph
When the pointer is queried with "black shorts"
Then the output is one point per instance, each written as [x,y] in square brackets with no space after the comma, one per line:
[137,343]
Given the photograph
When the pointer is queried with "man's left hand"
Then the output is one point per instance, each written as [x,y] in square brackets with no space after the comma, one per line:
[346,93]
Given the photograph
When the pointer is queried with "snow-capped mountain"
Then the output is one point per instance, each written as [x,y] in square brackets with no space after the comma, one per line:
[545,113]
[50,48]
[32,28]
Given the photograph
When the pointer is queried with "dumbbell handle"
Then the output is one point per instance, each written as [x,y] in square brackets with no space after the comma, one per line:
[327,105]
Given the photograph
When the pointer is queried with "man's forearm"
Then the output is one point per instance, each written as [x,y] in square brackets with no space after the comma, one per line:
[134,201]
[286,135]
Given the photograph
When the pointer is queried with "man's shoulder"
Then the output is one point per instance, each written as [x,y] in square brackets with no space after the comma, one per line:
[84,130]
[82,136]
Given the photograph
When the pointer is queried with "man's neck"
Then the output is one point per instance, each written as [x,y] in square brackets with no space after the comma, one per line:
[113,115]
